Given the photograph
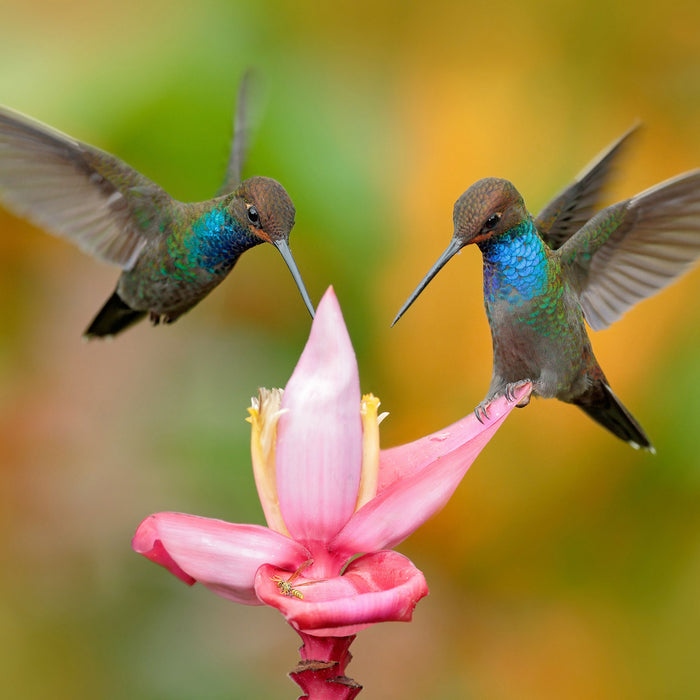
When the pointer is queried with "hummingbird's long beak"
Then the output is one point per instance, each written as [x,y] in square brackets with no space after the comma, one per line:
[283,247]
[455,246]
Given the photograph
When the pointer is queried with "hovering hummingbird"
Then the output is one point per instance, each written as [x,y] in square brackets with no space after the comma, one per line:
[543,276]
[172,254]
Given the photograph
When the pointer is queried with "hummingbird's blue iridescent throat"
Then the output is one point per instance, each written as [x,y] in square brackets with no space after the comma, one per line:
[515,264]
[218,240]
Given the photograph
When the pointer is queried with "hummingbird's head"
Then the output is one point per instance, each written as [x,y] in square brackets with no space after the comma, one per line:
[490,207]
[267,210]
[265,207]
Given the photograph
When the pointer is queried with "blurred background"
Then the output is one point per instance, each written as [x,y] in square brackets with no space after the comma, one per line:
[567,565]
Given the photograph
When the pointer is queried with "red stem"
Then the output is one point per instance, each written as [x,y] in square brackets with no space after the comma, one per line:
[321,671]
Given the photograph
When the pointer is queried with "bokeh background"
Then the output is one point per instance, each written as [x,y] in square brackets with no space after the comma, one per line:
[567,565]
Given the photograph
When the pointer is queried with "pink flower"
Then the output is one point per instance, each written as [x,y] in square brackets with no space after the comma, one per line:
[328,495]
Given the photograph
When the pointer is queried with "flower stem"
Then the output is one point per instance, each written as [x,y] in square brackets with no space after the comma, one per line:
[321,671]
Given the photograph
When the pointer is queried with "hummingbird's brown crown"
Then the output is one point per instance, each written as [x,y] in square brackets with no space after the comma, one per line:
[489,207]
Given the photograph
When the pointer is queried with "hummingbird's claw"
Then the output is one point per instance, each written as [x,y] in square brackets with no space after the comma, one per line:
[512,390]
[482,411]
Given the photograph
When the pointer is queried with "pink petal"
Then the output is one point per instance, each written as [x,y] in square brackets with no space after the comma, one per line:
[418,479]
[222,556]
[378,587]
[319,437]
[398,462]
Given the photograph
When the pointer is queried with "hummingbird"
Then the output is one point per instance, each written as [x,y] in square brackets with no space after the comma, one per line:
[544,276]
[172,254]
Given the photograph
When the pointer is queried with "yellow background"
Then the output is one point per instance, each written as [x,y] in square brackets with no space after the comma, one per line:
[567,565]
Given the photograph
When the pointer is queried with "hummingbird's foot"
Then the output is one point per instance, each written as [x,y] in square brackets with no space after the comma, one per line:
[157,318]
[512,389]
[510,392]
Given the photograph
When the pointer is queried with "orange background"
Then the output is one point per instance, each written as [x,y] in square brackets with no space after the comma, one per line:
[567,565]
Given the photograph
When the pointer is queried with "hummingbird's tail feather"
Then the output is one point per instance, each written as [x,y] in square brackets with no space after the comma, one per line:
[603,406]
[114,317]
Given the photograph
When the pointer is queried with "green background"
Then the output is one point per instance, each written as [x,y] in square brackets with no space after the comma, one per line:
[567,565]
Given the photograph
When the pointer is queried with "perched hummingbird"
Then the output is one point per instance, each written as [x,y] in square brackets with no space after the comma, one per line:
[172,254]
[543,276]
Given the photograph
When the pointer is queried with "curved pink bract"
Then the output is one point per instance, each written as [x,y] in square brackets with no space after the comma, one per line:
[319,435]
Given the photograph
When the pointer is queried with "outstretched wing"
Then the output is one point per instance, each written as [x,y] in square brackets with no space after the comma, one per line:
[632,249]
[77,191]
[241,137]
[576,204]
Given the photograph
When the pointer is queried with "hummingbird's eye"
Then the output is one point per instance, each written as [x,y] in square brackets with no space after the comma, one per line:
[253,216]
[491,222]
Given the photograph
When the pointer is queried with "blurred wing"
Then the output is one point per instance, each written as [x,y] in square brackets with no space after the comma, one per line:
[575,205]
[634,248]
[76,191]
[241,137]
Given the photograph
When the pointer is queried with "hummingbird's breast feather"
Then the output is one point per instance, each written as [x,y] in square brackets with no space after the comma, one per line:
[542,338]
[166,279]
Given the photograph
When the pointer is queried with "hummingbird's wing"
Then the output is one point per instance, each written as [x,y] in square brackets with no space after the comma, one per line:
[241,137]
[77,191]
[632,249]
[576,204]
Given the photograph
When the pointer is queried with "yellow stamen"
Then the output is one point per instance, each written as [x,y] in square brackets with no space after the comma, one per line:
[264,414]
[370,449]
